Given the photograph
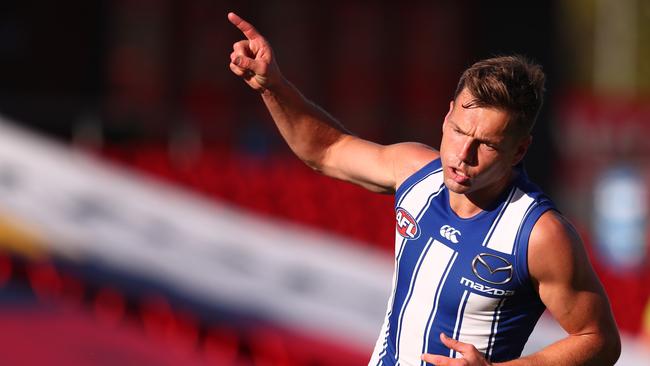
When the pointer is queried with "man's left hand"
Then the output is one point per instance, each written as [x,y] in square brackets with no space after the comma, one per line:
[471,356]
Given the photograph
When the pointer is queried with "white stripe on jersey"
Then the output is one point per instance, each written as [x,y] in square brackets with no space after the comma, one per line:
[418,194]
[505,232]
[437,172]
[409,294]
[414,200]
[496,221]
[478,321]
[433,314]
[415,315]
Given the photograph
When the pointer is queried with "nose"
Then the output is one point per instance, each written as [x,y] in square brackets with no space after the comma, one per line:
[468,152]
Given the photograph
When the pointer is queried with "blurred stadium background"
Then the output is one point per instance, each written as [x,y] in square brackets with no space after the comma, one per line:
[150,214]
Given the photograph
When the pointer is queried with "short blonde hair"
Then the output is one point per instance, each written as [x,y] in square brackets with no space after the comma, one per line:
[511,83]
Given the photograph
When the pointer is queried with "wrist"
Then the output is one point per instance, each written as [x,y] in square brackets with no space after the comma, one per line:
[275,88]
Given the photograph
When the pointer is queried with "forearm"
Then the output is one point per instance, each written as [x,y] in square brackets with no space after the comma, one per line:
[588,349]
[308,130]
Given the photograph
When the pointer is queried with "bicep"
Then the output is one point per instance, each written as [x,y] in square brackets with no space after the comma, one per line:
[565,279]
[379,168]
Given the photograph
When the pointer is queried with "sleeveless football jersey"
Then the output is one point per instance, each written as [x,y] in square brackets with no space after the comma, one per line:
[467,277]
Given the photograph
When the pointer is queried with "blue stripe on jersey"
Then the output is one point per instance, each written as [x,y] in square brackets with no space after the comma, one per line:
[521,251]
[390,312]
[459,320]
[398,258]
[495,324]
[519,230]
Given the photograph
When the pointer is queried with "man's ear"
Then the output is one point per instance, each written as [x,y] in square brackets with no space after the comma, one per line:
[522,148]
[451,108]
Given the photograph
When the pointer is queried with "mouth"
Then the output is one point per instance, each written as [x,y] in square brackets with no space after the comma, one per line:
[459,176]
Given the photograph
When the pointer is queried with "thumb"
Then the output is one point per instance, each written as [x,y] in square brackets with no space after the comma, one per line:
[437,360]
[456,345]
[248,63]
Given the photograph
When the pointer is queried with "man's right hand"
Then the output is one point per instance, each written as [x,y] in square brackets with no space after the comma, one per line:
[252,58]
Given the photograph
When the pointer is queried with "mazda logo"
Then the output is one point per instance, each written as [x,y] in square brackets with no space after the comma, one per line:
[492,269]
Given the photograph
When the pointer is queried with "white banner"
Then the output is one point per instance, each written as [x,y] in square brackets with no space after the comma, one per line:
[88,209]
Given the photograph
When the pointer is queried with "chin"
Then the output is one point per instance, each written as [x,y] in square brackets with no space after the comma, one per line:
[455,187]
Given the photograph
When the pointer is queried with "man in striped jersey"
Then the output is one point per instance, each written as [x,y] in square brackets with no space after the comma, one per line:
[480,251]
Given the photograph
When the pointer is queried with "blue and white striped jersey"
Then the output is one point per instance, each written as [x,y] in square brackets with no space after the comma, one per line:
[467,278]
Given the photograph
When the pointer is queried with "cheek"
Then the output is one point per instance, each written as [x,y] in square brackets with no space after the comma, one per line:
[486,160]
[493,164]
[447,143]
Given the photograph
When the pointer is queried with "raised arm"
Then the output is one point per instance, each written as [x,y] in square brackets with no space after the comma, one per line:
[311,133]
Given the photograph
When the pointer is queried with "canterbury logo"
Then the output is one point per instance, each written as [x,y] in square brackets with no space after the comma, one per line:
[449,233]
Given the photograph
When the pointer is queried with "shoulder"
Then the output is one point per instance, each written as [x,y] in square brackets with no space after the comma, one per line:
[409,157]
[555,248]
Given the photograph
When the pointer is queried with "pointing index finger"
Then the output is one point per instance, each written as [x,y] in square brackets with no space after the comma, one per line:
[247,28]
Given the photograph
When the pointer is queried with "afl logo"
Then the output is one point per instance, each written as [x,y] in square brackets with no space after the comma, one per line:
[406,224]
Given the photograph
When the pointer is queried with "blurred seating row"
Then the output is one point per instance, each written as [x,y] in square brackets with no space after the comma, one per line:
[279,186]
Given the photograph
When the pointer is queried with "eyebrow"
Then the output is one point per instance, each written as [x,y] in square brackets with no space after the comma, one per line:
[484,141]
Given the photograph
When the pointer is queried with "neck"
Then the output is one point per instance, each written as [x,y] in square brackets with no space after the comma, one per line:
[467,205]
